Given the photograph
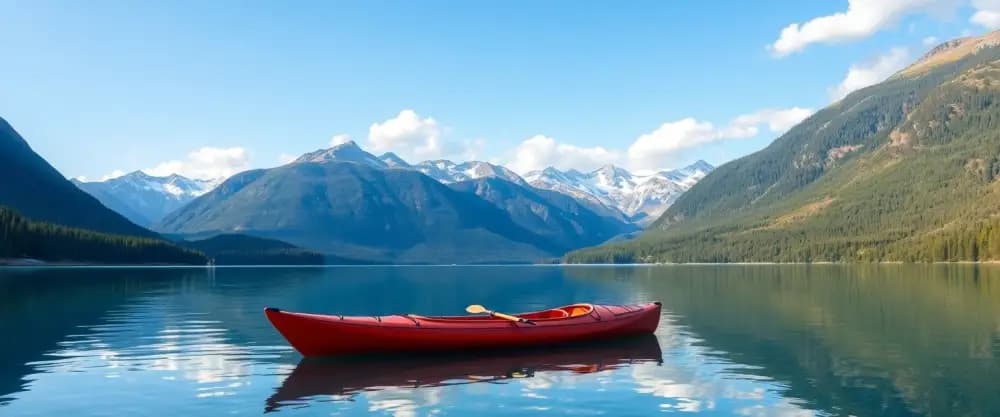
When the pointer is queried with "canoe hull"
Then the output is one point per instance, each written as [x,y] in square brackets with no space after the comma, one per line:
[323,335]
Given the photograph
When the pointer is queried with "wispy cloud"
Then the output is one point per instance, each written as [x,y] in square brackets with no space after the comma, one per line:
[540,151]
[652,150]
[987,13]
[862,19]
[871,72]
[205,163]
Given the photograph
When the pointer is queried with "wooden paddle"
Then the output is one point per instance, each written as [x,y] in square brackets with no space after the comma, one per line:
[478,309]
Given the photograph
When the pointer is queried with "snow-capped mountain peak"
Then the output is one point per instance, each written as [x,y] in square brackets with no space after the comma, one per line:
[393,160]
[634,196]
[610,176]
[145,198]
[448,172]
[345,152]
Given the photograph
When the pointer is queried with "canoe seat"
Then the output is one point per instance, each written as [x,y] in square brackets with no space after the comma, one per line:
[577,311]
[547,314]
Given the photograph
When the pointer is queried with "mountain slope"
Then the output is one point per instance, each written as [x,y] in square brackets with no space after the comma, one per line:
[36,190]
[357,211]
[146,199]
[903,170]
[556,217]
[22,238]
[616,192]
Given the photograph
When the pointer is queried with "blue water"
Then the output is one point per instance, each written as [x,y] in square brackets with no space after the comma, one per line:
[733,340]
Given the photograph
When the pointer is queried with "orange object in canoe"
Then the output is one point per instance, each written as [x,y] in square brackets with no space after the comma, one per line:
[325,335]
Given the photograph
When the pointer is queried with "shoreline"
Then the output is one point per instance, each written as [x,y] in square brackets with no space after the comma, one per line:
[42,263]
[29,262]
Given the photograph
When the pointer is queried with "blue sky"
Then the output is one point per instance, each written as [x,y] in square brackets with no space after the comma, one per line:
[209,88]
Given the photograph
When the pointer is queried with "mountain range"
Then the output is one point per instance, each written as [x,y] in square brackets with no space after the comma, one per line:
[145,199]
[904,170]
[615,191]
[443,170]
[609,192]
[350,203]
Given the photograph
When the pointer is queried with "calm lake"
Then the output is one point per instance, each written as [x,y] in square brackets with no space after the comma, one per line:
[751,340]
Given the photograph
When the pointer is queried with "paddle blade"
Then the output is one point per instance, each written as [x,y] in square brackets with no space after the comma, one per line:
[475,309]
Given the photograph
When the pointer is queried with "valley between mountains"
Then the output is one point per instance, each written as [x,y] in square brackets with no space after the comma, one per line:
[345,205]
[346,202]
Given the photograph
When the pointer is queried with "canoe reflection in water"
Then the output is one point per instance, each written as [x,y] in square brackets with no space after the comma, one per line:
[349,376]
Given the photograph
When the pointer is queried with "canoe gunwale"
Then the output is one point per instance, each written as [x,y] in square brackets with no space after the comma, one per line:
[323,335]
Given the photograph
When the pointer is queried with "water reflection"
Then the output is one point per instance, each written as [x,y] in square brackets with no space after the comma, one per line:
[900,340]
[734,340]
[341,379]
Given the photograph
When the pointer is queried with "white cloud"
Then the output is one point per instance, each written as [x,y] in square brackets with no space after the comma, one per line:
[987,13]
[114,174]
[468,150]
[416,138]
[930,41]
[868,73]
[205,163]
[653,150]
[540,151]
[650,149]
[408,135]
[286,158]
[340,139]
[861,19]
[777,120]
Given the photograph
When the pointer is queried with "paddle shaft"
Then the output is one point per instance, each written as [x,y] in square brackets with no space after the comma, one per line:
[510,317]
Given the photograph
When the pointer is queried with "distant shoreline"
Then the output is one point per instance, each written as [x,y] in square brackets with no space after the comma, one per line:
[39,262]
[29,262]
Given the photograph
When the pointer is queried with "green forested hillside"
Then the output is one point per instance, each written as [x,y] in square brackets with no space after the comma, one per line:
[24,238]
[905,170]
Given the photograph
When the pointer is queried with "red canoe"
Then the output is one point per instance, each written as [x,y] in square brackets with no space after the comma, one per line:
[323,335]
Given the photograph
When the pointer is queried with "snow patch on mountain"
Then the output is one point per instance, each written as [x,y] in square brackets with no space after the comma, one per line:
[346,152]
[145,199]
[609,191]
[449,172]
[641,198]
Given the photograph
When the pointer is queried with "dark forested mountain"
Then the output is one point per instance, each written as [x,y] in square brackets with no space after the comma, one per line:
[348,203]
[358,211]
[903,170]
[557,217]
[236,249]
[24,238]
[36,190]
[143,198]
